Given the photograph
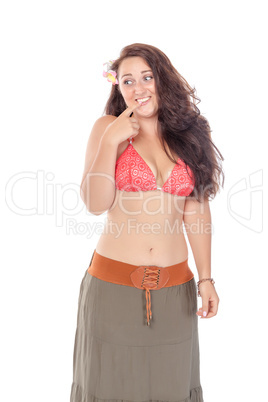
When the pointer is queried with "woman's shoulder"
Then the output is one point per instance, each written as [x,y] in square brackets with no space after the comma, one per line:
[105,120]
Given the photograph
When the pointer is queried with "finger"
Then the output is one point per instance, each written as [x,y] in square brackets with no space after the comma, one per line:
[129,110]
[205,306]
[135,125]
[210,314]
[199,312]
[213,308]
[133,120]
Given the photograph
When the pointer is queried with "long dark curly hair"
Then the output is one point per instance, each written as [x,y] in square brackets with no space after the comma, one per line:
[181,125]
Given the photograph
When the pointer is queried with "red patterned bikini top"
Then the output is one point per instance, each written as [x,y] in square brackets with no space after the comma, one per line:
[133,174]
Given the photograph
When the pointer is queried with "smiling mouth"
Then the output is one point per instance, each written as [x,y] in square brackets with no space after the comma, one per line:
[142,100]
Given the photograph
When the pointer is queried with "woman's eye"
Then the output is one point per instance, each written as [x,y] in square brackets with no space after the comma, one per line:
[147,78]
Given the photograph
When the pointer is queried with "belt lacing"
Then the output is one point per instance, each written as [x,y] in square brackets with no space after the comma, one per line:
[150,281]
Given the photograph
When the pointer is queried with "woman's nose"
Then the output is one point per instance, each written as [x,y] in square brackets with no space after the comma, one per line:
[139,88]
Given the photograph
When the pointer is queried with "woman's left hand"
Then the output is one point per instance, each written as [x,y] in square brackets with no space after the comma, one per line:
[210,300]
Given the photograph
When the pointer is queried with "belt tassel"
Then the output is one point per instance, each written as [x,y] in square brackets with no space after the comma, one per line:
[150,281]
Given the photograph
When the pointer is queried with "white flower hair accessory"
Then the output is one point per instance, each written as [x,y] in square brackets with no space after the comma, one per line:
[110,74]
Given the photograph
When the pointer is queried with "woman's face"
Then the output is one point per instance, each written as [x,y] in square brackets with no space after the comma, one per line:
[136,82]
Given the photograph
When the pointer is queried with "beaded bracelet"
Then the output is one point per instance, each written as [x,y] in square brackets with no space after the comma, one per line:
[203,280]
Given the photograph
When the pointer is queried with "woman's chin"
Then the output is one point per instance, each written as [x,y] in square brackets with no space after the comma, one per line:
[146,112]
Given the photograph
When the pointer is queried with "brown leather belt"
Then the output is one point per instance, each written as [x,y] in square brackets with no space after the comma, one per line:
[148,277]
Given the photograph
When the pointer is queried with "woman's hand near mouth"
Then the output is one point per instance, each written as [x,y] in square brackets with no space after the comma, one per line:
[123,126]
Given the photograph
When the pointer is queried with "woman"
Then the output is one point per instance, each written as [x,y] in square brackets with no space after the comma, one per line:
[151,164]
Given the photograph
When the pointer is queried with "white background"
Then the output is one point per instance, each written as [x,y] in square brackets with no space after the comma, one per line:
[52,91]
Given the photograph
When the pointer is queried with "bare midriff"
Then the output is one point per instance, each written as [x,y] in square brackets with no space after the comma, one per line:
[144,228]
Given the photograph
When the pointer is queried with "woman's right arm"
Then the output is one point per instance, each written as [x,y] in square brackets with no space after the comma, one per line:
[97,187]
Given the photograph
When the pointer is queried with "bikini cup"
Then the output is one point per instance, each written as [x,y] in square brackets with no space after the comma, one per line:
[132,173]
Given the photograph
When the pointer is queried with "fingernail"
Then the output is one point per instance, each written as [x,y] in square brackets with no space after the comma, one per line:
[204,313]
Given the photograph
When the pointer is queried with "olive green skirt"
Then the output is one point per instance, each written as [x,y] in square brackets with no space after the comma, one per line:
[117,357]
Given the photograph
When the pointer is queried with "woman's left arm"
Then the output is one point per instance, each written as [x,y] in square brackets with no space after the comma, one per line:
[197,222]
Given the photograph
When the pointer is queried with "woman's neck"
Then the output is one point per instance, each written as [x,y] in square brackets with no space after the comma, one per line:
[149,129]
